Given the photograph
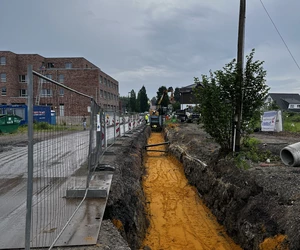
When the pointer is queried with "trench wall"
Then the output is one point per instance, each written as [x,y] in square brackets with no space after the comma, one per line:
[253,205]
[126,206]
[245,202]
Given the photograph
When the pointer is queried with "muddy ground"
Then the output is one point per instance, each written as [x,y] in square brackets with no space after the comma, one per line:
[255,205]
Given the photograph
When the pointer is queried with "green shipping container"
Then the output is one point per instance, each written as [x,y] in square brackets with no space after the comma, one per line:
[9,123]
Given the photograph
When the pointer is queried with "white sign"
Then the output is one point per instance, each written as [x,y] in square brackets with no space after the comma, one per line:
[272,121]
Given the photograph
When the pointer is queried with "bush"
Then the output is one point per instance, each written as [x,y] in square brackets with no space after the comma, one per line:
[219,94]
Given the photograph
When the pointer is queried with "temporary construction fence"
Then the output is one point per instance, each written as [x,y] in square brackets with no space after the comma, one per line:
[60,157]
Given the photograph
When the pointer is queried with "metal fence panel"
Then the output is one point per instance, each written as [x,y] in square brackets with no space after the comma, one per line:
[68,133]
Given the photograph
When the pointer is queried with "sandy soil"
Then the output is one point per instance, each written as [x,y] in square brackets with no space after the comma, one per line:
[178,217]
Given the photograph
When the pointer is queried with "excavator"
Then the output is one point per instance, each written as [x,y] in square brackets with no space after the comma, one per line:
[157,117]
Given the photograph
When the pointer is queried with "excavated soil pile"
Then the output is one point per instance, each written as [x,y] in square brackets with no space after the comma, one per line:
[178,217]
[260,207]
[126,206]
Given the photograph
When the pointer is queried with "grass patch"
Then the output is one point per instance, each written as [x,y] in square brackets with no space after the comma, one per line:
[252,152]
[291,122]
[44,126]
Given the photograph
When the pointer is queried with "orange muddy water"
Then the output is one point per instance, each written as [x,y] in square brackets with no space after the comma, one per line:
[178,218]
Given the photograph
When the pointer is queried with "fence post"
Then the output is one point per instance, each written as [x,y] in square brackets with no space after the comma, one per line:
[30,158]
[114,126]
[105,132]
[90,160]
[123,120]
[99,135]
[102,121]
[132,122]
[118,129]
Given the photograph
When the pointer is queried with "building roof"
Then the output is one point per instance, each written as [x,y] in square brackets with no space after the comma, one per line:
[189,88]
[284,99]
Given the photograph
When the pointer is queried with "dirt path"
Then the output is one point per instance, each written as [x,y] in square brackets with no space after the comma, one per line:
[178,217]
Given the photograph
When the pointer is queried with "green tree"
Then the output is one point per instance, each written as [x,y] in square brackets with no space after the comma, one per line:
[218,97]
[165,100]
[132,101]
[153,101]
[176,106]
[177,95]
[271,106]
[142,100]
[124,102]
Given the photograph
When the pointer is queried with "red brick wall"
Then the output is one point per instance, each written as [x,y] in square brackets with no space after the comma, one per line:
[77,62]
[11,70]
[83,77]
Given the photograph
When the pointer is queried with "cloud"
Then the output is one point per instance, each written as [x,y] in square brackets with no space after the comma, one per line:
[145,72]
[156,42]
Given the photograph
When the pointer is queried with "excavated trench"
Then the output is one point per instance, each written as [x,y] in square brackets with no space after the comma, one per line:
[154,206]
[178,217]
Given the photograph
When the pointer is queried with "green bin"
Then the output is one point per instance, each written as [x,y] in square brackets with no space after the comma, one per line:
[9,123]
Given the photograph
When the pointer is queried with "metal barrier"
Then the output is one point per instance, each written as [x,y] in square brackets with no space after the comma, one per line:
[61,158]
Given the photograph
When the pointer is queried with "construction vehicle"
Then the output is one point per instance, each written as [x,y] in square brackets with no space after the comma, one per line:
[187,115]
[157,117]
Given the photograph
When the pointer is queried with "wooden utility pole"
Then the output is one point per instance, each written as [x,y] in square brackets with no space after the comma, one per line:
[240,78]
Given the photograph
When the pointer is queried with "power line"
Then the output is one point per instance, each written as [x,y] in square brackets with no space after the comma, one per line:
[280,34]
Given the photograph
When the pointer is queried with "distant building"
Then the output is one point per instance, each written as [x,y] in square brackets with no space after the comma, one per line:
[74,72]
[286,102]
[187,97]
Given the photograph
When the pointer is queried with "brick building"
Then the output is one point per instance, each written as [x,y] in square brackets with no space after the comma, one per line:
[74,72]
[187,96]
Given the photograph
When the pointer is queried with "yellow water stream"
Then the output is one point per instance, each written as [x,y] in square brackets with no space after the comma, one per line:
[178,218]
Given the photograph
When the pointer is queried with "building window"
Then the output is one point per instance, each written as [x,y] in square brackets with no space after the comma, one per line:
[104,94]
[50,65]
[61,92]
[23,92]
[61,78]
[3,77]
[101,93]
[46,92]
[100,79]
[61,109]
[3,91]
[68,65]
[48,76]
[291,106]
[2,60]
[22,78]
[105,81]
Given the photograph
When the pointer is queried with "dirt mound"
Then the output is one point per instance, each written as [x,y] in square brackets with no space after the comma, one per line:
[126,204]
[257,205]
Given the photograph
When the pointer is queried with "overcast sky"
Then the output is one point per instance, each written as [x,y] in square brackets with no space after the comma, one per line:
[156,42]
